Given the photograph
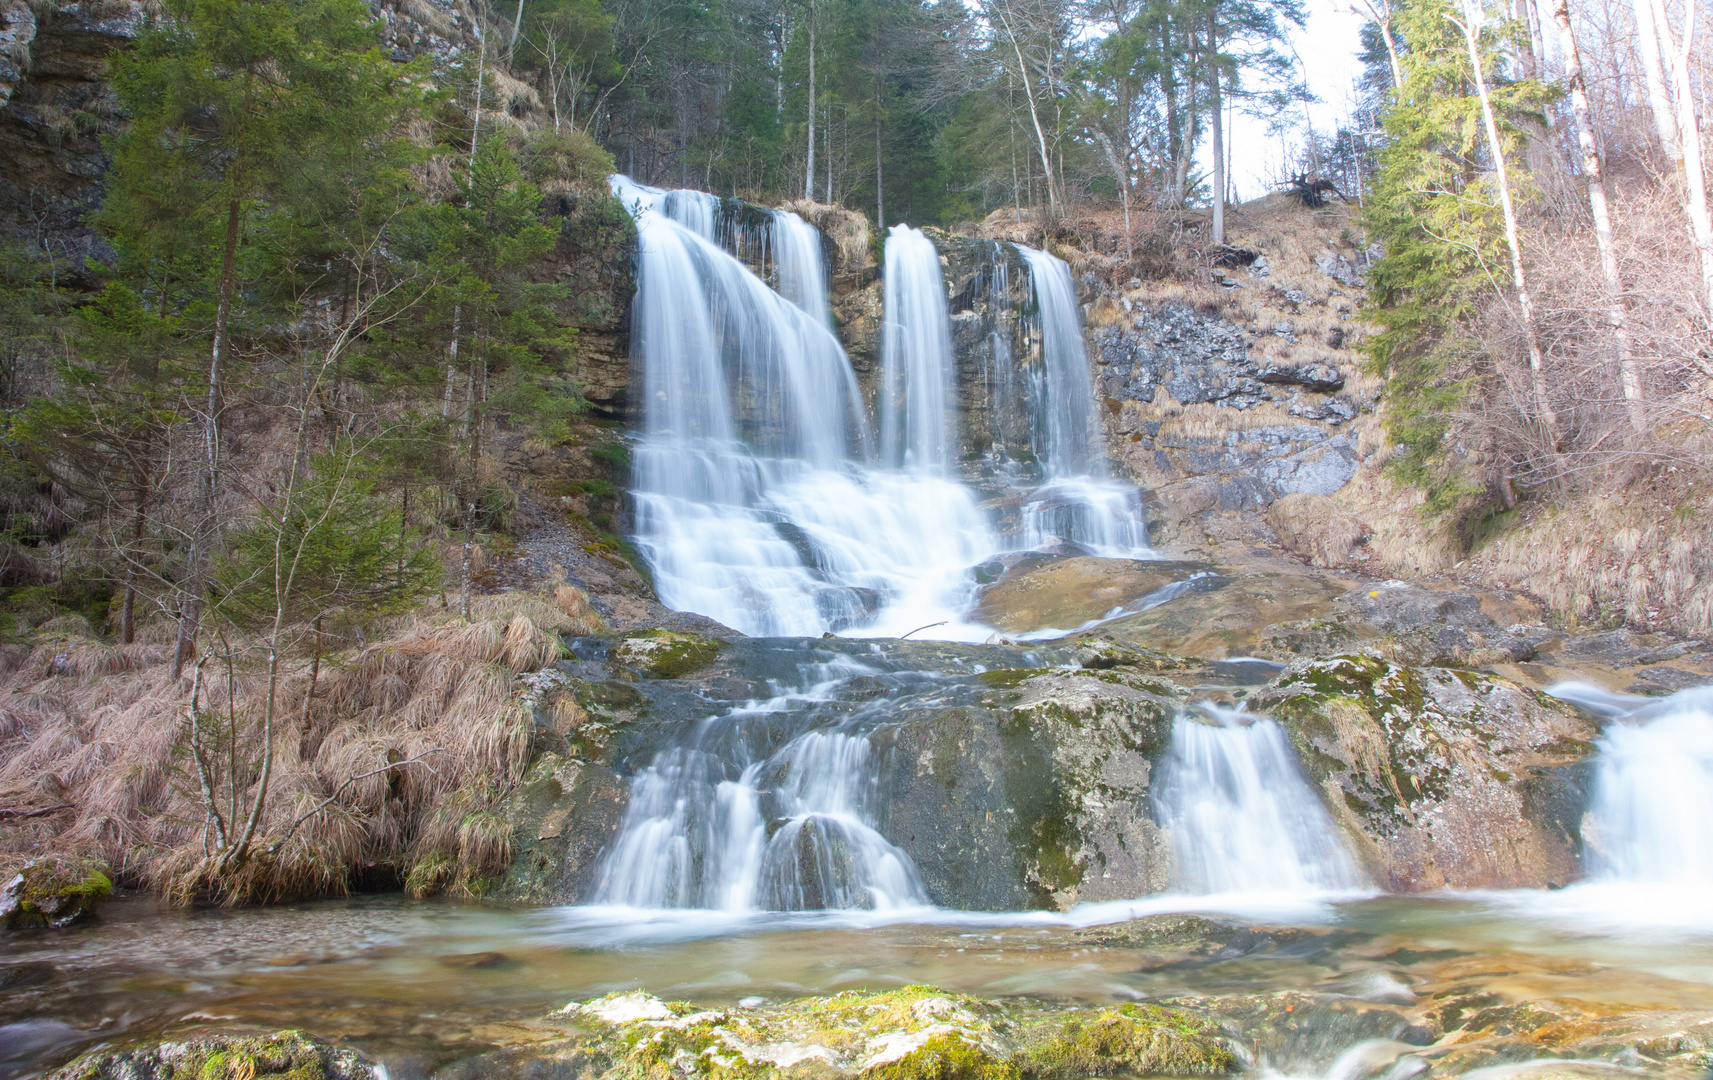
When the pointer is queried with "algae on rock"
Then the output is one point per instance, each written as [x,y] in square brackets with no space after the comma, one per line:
[1446,778]
[53,892]
[284,1055]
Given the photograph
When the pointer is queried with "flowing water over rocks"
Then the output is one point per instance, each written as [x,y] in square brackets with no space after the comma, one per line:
[1184,820]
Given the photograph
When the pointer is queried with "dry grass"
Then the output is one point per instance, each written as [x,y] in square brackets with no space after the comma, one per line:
[847,229]
[1313,527]
[432,712]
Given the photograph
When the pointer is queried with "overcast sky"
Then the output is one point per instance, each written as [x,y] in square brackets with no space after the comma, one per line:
[1328,47]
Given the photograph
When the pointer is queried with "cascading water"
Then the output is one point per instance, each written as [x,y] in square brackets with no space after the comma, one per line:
[696,834]
[1240,815]
[918,427]
[758,502]
[1650,820]
[797,260]
[1079,501]
[761,498]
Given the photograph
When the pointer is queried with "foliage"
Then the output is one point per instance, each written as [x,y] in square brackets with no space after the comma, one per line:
[1432,208]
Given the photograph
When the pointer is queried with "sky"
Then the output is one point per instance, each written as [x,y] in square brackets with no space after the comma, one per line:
[1328,47]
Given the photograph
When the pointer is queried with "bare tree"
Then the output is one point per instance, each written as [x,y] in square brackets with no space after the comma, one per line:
[1470,24]
[1628,373]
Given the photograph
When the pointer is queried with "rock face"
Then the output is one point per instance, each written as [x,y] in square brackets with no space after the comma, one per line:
[1444,778]
[285,1055]
[1038,796]
[1270,428]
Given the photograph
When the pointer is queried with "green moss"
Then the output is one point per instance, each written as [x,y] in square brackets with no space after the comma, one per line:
[1006,678]
[56,892]
[1133,1040]
[947,1057]
[668,654]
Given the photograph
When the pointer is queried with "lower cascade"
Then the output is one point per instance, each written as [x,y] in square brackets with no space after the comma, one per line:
[766,807]
[1651,816]
[1240,815]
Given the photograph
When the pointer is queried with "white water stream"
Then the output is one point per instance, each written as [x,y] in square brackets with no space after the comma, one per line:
[1240,815]
[763,497]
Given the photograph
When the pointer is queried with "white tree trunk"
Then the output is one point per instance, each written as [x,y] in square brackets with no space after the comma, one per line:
[1543,407]
[1217,108]
[1689,130]
[1628,373]
[1647,44]
[809,167]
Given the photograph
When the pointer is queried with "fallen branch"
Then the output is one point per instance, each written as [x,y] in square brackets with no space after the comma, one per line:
[7,812]
[930,626]
[274,848]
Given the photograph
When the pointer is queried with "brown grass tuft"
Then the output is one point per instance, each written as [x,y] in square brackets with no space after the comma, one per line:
[432,710]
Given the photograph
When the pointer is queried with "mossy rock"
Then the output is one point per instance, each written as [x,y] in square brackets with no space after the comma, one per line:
[1133,1040]
[284,1055]
[53,892]
[667,654]
[1008,678]
[912,1033]
[1447,777]
[947,1056]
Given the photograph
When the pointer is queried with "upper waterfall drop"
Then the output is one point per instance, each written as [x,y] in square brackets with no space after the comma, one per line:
[1240,815]
[917,425]
[758,502]
[799,267]
[1078,502]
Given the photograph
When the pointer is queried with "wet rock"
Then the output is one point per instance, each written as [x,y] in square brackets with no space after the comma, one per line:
[1303,1034]
[1444,778]
[1067,593]
[476,961]
[1037,798]
[666,654]
[1231,620]
[913,1033]
[284,1055]
[563,814]
[52,892]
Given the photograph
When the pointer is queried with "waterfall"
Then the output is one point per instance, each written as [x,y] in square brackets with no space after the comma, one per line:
[918,427]
[757,499]
[1079,502]
[1241,817]
[802,272]
[1651,816]
[695,834]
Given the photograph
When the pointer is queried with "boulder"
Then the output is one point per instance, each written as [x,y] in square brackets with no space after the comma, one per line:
[1036,798]
[1064,594]
[284,1055]
[53,892]
[563,815]
[1443,778]
[667,654]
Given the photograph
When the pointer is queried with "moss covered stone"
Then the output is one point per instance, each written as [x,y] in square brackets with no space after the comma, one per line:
[1449,777]
[912,1033]
[284,1055]
[667,654]
[1133,1040]
[53,892]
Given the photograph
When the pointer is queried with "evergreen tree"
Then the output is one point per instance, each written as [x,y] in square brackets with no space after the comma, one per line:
[1433,209]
